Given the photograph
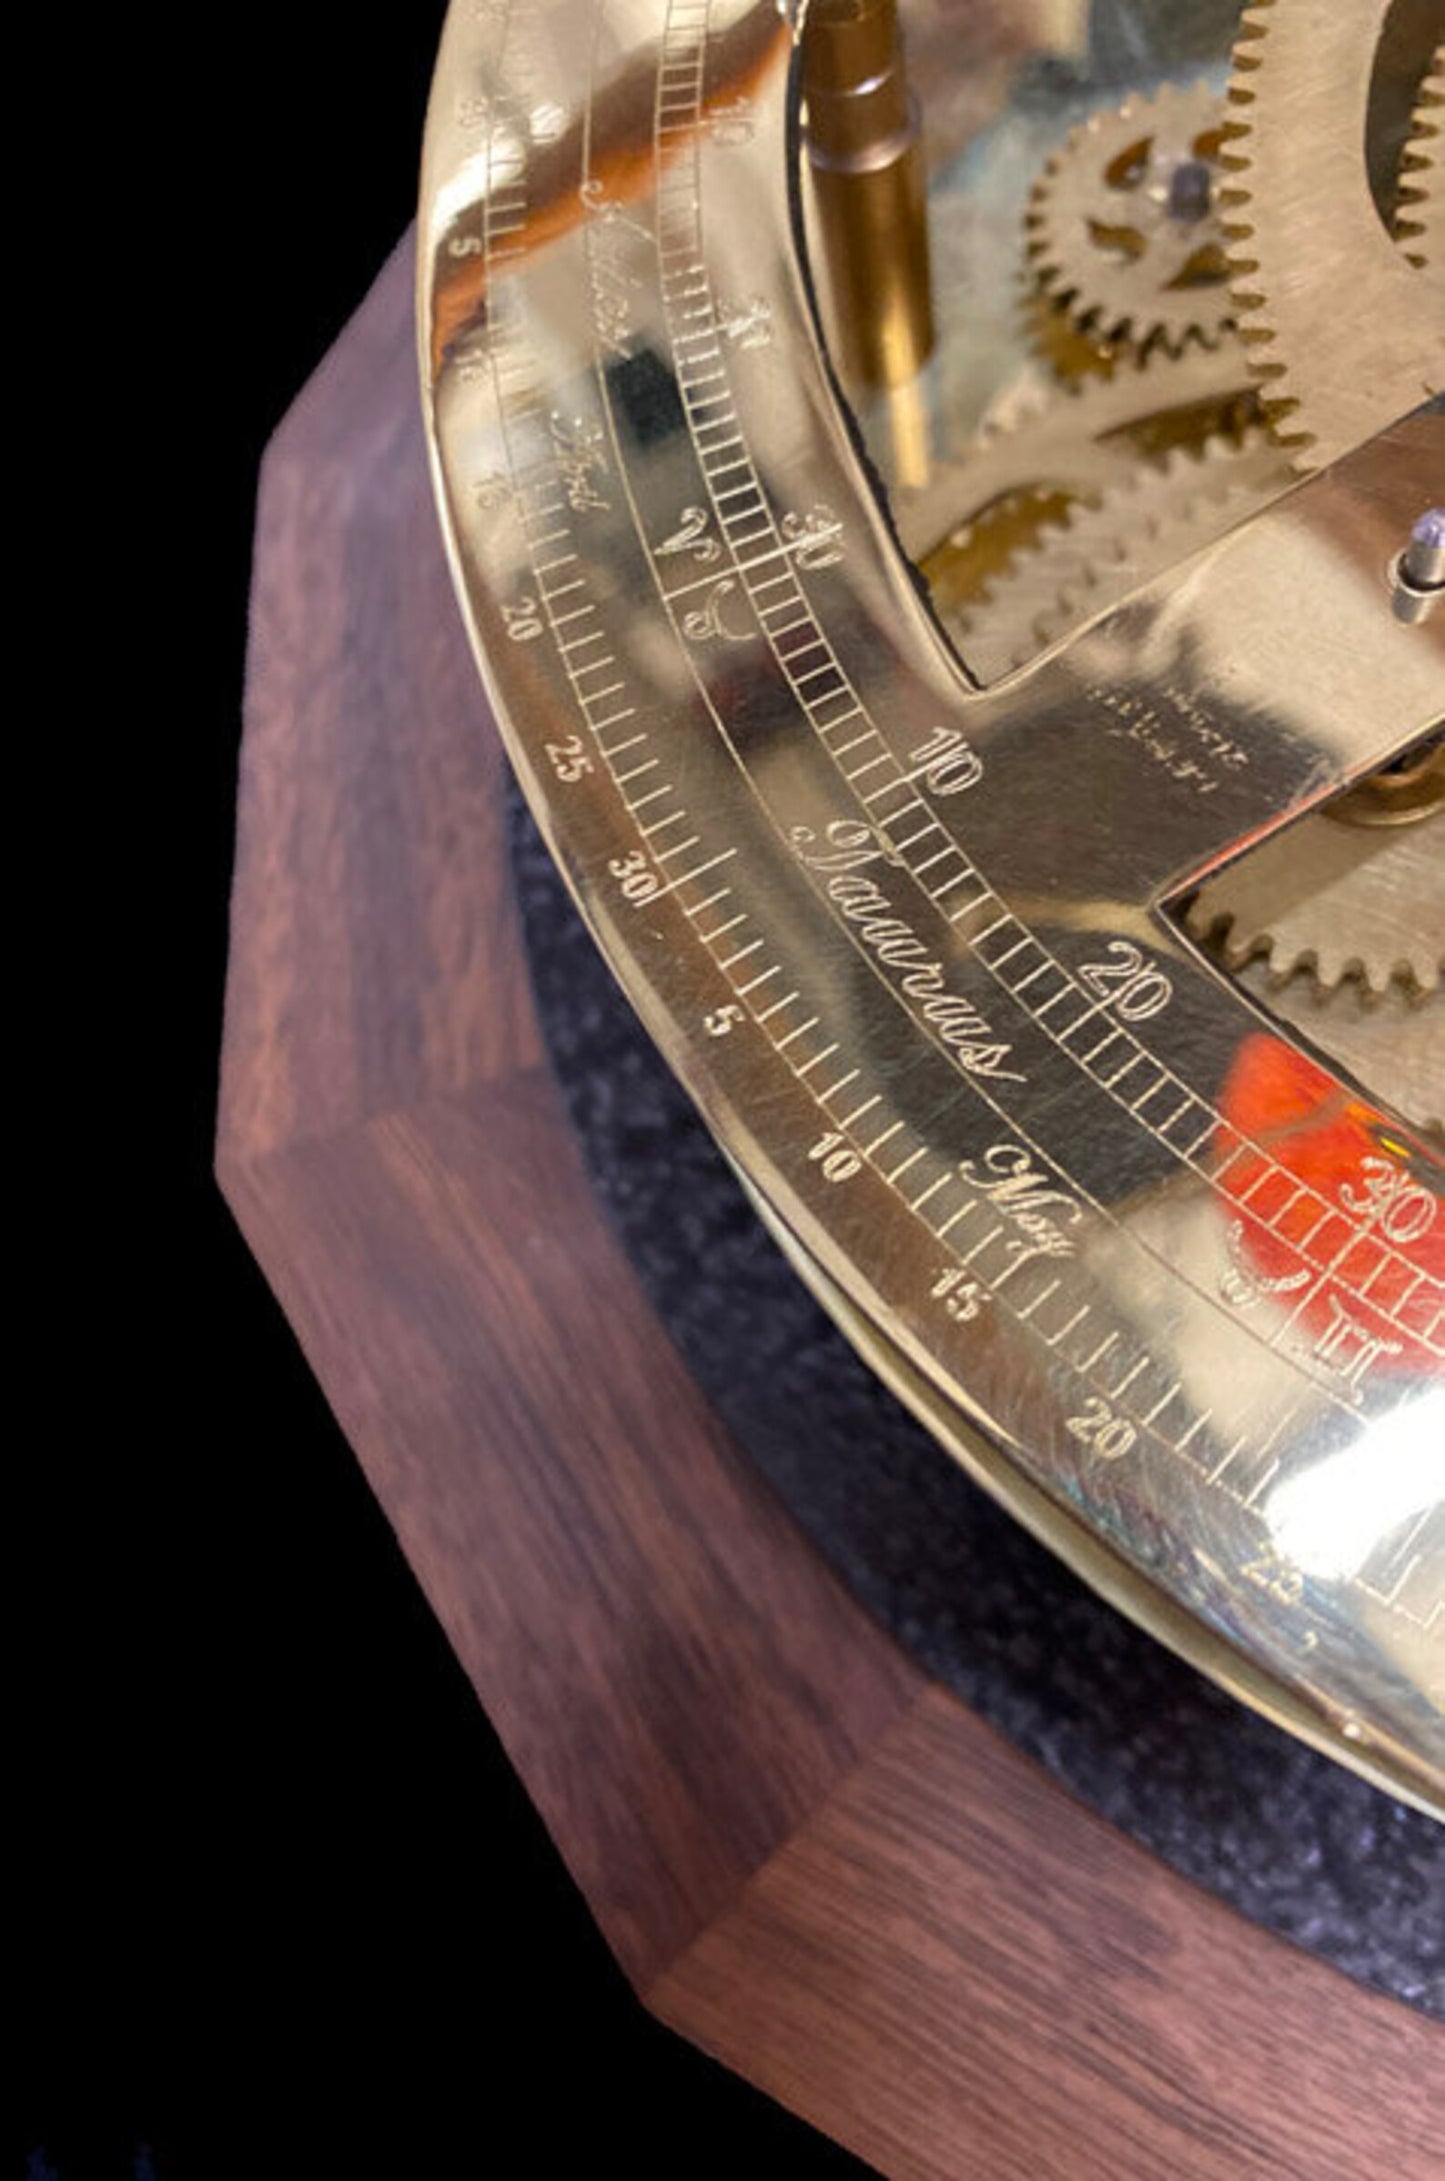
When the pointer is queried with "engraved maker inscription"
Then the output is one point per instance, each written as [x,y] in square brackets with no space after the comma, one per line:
[1175,732]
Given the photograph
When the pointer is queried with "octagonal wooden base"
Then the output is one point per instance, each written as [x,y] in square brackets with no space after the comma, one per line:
[807,1857]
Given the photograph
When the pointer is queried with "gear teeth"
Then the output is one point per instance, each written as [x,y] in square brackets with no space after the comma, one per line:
[1126,300]
[1326,899]
[1326,386]
[1419,222]
[1072,438]
[1098,555]
[1239,229]
[1393,1040]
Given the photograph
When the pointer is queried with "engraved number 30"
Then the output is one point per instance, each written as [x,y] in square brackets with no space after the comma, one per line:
[636,880]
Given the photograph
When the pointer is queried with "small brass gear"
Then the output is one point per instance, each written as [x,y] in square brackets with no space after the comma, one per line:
[1071,352]
[1123,228]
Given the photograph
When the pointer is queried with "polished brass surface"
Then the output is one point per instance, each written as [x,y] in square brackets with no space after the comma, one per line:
[1171,1283]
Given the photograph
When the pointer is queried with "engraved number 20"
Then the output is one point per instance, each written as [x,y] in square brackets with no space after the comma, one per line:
[1110,1436]
[1133,986]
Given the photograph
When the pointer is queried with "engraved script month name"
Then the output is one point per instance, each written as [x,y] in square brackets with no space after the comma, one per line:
[1008,1178]
[613,238]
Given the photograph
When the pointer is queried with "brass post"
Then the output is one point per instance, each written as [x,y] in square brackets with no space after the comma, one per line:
[866,156]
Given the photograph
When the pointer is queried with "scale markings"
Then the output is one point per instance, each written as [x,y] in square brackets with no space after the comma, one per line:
[1160,1406]
[721,895]
[1117,1392]
[886,1136]
[1042,1297]
[979,1247]
[1064,1330]
[732,924]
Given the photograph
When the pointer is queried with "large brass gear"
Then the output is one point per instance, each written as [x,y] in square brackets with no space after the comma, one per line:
[1420,210]
[1061,446]
[1123,228]
[1336,899]
[1393,1041]
[1304,234]
[1147,521]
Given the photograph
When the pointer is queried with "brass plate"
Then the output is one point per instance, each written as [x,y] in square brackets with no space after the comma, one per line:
[1174,1286]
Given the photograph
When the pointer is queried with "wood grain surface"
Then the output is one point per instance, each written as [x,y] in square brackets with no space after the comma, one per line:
[807,1857]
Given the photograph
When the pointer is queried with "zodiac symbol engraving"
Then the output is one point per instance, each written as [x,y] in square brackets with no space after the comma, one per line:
[812,539]
[691,537]
[1348,1348]
[1242,1285]
[708,619]
[747,325]
[730,123]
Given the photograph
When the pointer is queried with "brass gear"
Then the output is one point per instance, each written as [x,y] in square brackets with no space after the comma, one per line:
[1151,519]
[1394,1042]
[1073,442]
[1069,350]
[1338,900]
[1304,234]
[1123,229]
[1420,207]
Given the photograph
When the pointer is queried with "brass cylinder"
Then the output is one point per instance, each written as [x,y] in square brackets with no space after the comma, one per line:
[866,156]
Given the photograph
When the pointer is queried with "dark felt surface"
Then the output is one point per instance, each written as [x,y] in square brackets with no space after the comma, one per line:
[1283,1834]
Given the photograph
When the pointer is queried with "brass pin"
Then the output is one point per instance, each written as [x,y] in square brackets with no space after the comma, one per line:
[866,156]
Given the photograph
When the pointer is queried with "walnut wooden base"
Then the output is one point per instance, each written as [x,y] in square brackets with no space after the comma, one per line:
[807,1857]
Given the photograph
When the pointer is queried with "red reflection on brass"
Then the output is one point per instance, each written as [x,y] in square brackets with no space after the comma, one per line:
[1339,1216]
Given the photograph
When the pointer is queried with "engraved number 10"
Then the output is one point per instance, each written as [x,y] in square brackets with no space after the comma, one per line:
[832,1154]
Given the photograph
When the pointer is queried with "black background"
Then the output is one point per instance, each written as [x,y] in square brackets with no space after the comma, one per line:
[279,1905]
